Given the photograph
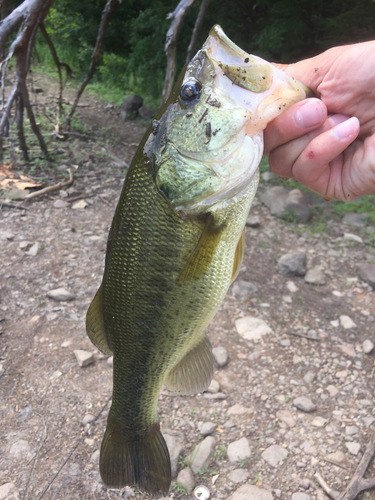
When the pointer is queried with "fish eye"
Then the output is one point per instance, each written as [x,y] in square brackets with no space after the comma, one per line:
[190,91]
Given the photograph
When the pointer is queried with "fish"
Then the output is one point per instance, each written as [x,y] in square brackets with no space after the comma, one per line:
[176,244]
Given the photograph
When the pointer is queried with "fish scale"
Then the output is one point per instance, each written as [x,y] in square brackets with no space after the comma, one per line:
[175,244]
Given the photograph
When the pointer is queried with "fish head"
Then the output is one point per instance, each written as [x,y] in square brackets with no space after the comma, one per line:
[208,141]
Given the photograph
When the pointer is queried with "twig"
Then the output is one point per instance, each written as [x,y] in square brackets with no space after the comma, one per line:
[74,449]
[104,200]
[80,197]
[42,439]
[61,135]
[48,189]
[303,336]
[11,205]
[330,492]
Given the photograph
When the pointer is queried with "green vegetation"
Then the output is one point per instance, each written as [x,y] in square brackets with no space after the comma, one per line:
[366,204]
[133,58]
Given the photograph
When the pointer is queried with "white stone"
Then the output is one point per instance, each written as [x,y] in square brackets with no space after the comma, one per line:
[286,417]
[80,204]
[238,409]
[305,404]
[214,387]
[84,358]
[315,276]
[33,251]
[350,430]
[20,450]
[367,346]
[301,496]
[220,355]
[87,419]
[238,450]
[6,235]
[200,457]
[175,445]
[291,287]
[252,328]
[337,456]
[186,479]
[353,447]
[239,475]
[335,323]
[207,428]
[347,322]
[8,492]
[60,295]
[319,422]
[110,361]
[275,455]
[250,492]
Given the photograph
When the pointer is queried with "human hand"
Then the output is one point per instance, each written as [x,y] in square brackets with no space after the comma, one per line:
[334,155]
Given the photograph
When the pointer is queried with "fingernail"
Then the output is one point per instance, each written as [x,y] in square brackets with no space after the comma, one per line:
[310,114]
[347,128]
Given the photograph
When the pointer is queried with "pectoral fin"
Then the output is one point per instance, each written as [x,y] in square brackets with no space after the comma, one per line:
[238,256]
[202,255]
[95,324]
[194,372]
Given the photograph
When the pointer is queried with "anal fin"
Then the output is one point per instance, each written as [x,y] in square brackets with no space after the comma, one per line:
[194,372]
[95,324]
[203,253]
[238,256]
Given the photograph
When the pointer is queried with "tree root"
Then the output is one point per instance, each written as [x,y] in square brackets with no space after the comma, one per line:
[358,483]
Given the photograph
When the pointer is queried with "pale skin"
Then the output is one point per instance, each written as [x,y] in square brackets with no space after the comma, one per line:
[328,144]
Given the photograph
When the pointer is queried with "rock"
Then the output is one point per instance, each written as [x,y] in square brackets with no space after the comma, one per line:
[309,377]
[315,276]
[275,455]
[217,395]
[238,410]
[186,479]
[285,342]
[95,457]
[87,419]
[201,455]
[332,390]
[8,492]
[268,176]
[220,355]
[175,444]
[61,204]
[20,451]
[79,205]
[291,286]
[130,106]
[350,430]
[33,251]
[353,237]
[292,264]
[347,322]
[250,492]
[367,273]
[367,346]
[368,421]
[309,448]
[348,349]
[84,358]
[286,417]
[66,343]
[207,428]
[24,245]
[305,404]
[6,235]
[242,288]
[110,361]
[337,456]
[353,447]
[60,295]
[253,221]
[356,220]
[214,387]
[291,205]
[305,483]
[238,450]
[239,475]
[319,422]
[252,328]
[301,496]
[145,113]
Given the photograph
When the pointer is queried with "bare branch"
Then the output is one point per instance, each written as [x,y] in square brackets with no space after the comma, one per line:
[49,189]
[107,13]
[177,16]
[197,27]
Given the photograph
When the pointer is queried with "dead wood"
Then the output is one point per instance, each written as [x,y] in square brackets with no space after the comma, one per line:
[177,16]
[358,483]
[49,189]
[197,27]
[107,13]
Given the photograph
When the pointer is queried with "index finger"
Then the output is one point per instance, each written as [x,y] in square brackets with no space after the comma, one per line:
[295,122]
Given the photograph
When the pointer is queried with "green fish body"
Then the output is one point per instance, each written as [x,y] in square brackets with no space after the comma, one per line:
[175,245]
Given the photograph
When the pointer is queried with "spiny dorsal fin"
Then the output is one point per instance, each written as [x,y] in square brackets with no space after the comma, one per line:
[238,256]
[202,255]
[95,324]
[194,372]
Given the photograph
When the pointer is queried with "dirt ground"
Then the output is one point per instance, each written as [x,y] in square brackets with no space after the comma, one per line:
[45,394]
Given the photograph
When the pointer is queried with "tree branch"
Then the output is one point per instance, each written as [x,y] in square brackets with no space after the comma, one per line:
[197,27]
[107,13]
[177,16]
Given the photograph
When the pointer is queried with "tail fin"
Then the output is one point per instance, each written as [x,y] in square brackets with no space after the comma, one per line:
[130,458]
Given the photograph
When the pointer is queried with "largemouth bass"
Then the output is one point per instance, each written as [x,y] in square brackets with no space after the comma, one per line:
[175,245]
